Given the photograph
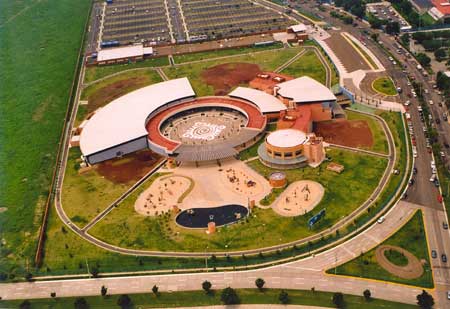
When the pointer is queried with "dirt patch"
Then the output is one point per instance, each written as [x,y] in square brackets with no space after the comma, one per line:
[412,270]
[224,77]
[131,167]
[351,133]
[113,91]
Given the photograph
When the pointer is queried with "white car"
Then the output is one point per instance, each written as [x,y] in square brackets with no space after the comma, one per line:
[442,154]
[407,103]
[432,178]
[380,220]
[431,102]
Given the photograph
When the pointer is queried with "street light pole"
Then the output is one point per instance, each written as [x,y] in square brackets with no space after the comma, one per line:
[206,258]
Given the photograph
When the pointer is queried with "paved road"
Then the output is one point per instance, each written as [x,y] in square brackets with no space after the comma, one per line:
[422,192]
[303,274]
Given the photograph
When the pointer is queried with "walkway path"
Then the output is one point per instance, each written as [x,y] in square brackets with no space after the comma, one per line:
[302,274]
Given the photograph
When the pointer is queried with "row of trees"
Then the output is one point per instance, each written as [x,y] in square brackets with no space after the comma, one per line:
[229,296]
[356,7]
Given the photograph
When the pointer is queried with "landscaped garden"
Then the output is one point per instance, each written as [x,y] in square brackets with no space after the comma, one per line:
[410,237]
[124,227]
[384,85]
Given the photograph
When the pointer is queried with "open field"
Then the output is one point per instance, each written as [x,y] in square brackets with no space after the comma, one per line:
[384,85]
[96,72]
[309,65]
[124,227]
[267,60]
[410,237]
[379,138]
[223,53]
[37,62]
[199,298]
[85,195]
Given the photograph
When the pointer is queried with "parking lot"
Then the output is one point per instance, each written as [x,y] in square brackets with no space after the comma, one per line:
[384,11]
[229,18]
[136,21]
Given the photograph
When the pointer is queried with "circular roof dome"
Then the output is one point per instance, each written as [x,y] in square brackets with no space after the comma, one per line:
[286,138]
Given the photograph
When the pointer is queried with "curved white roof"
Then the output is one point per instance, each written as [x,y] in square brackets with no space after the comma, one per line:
[123,119]
[266,103]
[305,89]
[286,138]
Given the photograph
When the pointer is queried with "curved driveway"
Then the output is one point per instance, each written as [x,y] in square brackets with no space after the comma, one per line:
[82,232]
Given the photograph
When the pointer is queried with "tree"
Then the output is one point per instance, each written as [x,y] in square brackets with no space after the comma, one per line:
[104,290]
[28,277]
[229,296]
[405,39]
[94,272]
[259,283]
[283,297]
[440,54]
[425,300]
[25,305]
[155,289]
[124,301]
[423,59]
[53,294]
[367,294]
[392,27]
[81,303]
[338,300]
[206,286]
[374,36]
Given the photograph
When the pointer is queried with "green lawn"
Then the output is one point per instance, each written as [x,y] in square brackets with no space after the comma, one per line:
[85,195]
[410,237]
[379,138]
[96,72]
[384,85]
[124,227]
[251,151]
[223,53]
[308,64]
[267,60]
[199,298]
[38,58]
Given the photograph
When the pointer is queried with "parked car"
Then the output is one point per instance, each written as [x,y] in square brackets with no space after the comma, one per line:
[444,258]
[433,254]
[445,225]
[381,220]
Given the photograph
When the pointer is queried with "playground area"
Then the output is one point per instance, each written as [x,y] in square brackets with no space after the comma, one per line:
[162,195]
[299,198]
[209,186]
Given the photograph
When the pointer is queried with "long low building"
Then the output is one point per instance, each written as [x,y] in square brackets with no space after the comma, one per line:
[123,54]
[119,127]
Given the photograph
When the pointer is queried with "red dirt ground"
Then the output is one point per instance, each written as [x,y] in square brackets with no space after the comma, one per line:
[353,133]
[113,91]
[131,167]
[224,77]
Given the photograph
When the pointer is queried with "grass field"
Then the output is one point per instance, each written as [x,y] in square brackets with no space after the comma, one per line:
[199,298]
[96,72]
[308,64]
[124,227]
[267,60]
[84,196]
[223,53]
[379,138]
[38,55]
[384,85]
[410,237]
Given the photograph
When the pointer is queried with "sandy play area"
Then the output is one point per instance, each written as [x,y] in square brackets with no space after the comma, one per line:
[299,198]
[162,195]
[231,183]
